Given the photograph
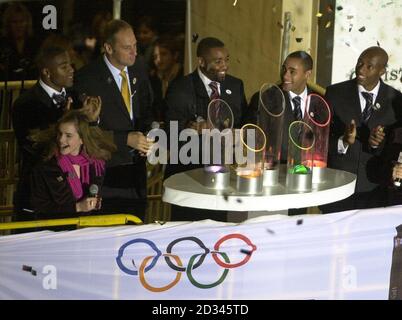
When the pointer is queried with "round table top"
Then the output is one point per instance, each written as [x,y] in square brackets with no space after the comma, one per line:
[186,189]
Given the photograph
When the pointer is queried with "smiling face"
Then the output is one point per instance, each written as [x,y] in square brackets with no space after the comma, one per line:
[370,67]
[294,76]
[69,140]
[215,64]
[59,73]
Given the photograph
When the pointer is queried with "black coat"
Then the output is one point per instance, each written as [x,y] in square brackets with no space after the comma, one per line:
[343,99]
[187,98]
[32,110]
[126,169]
[52,196]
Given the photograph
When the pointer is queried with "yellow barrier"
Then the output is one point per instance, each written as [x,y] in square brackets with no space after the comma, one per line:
[88,221]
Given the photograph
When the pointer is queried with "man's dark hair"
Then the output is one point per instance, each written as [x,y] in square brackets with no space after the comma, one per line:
[208,43]
[304,57]
[46,55]
[113,27]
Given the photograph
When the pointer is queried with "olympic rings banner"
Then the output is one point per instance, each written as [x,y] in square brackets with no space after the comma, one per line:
[346,255]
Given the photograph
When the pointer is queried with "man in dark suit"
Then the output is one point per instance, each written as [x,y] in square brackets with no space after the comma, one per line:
[40,107]
[187,101]
[296,71]
[124,88]
[362,110]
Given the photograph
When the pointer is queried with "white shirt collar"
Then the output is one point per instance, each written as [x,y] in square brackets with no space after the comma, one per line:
[374,92]
[303,97]
[206,81]
[49,90]
[115,71]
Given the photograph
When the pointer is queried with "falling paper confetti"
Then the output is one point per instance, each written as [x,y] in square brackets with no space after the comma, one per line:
[378,44]
[350,27]
[195,37]
[280,25]
[234,3]
[339,8]
[328,25]
[299,39]
[293,28]
[319,15]
[299,222]
[362,29]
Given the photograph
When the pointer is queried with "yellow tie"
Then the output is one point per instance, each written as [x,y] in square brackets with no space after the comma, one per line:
[125,92]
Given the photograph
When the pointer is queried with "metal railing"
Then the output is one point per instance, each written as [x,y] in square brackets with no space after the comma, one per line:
[86,221]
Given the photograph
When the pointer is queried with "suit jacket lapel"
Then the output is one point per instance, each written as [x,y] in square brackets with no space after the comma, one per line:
[354,102]
[381,101]
[43,96]
[112,88]
[201,96]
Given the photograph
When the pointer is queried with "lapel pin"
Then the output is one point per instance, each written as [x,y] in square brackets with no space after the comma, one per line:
[134,80]
[59,178]
[228,91]
[377,106]
[109,80]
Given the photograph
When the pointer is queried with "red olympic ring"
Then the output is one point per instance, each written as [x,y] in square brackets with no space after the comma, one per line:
[233,236]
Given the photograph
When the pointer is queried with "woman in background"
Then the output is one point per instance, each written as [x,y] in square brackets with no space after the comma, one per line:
[67,182]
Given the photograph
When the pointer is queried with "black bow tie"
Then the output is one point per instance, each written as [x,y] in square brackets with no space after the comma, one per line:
[60,99]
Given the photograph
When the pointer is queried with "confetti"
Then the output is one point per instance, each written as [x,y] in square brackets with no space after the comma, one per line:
[26,268]
[328,25]
[33,272]
[339,8]
[362,29]
[239,200]
[280,25]
[299,39]
[195,37]
[378,44]
[234,3]
[319,15]
[299,222]
[272,231]
[247,252]
[293,28]
[350,27]
[350,17]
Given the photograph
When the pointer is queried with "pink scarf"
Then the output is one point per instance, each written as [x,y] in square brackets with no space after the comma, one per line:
[66,163]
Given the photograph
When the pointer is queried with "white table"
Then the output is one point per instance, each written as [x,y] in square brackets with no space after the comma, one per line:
[186,189]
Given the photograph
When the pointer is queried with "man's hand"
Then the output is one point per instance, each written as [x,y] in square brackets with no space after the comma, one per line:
[198,125]
[92,107]
[349,137]
[138,141]
[397,171]
[377,136]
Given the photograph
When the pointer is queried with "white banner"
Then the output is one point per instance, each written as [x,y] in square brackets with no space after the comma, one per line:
[360,24]
[345,255]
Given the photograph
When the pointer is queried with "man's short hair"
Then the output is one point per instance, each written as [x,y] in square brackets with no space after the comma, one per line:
[113,27]
[46,55]
[208,43]
[306,59]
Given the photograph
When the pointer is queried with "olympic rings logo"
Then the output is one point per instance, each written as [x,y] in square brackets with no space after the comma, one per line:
[150,261]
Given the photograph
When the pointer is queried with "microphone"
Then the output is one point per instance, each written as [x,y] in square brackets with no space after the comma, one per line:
[93,192]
